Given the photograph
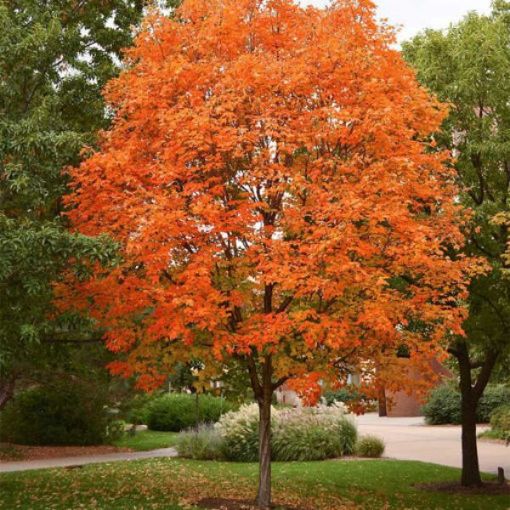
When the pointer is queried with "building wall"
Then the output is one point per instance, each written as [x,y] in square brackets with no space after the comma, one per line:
[402,404]
[287,397]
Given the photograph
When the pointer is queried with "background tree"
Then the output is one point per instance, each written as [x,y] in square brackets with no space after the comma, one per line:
[468,66]
[55,57]
[276,205]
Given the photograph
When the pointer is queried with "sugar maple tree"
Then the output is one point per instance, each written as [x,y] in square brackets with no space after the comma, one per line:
[269,183]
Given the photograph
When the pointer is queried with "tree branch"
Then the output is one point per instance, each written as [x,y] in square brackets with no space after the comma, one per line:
[285,304]
[78,341]
[255,383]
[280,382]
[485,374]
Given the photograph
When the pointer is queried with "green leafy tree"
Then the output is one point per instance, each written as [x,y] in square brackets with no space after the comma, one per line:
[55,57]
[468,66]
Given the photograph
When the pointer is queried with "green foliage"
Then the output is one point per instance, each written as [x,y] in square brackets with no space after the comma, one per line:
[468,67]
[182,377]
[174,412]
[500,421]
[345,395]
[443,405]
[204,443]
[369,446]
[61,413]
[115,431]
[347,435]
[494,397]
[55,57]
[297,434]
[134,410]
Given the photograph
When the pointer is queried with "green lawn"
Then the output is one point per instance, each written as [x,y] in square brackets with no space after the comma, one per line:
[147,440]
[173,484]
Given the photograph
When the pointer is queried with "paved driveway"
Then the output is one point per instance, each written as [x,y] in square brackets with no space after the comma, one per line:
[411,439]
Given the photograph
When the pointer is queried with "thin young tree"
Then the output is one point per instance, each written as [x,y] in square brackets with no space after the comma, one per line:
[268,179]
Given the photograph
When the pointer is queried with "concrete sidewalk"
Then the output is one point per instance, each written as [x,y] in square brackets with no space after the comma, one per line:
[412,439]
[7,467]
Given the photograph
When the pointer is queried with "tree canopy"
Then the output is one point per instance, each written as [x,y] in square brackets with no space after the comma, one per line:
[269,181]
[55,58]
[468,66]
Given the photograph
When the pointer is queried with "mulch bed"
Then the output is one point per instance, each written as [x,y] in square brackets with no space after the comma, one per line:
[487,489]
[14,452]
[236,504]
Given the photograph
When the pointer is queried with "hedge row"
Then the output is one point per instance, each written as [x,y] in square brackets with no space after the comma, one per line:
[443,405]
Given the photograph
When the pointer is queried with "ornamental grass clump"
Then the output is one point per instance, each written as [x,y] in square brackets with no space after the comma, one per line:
[369,446]
[240,433]
[297,434]
[204,443]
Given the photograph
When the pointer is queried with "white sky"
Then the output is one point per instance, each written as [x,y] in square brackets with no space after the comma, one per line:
[415,15]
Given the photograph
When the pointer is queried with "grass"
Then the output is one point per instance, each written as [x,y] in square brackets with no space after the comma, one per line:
[147,440]
[174,484]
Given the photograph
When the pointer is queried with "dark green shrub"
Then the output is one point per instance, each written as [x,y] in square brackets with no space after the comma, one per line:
[500,419]
[369,446]
[443,405]
[62,413]
[493,398]
[135,409]
[346,395]
[205,443]
[174,412]
[115,430]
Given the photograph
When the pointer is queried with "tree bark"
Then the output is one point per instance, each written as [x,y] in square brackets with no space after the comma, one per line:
[7,385]
[263,388]
[470,466]
[264,490]
[381,399]
[264,399]
[470,396]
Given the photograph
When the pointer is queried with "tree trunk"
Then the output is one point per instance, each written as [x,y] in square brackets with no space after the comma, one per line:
[264,490]
[470,466]
[381,399]
[7,385]
[263,387]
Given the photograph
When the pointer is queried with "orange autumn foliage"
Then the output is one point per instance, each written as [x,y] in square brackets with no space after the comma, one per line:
[269,180]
